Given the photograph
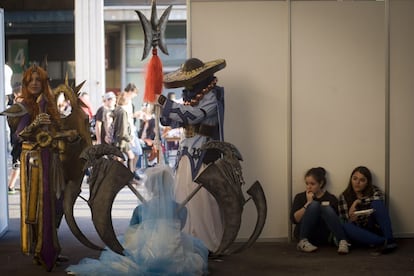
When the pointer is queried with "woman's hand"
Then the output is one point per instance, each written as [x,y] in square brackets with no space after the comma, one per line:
[300,212]
[149,142]
[352,209]
[356,202]
[352,217]
[309,196]
[42,119]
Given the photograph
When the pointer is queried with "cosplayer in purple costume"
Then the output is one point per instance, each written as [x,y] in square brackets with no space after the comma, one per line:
[41,172]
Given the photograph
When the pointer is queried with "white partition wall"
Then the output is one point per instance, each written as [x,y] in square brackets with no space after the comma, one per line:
[253,38]
[338,90]
[314,83]
[402,116]
[90,48]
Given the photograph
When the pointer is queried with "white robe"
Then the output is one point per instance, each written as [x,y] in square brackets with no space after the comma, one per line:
[203,219]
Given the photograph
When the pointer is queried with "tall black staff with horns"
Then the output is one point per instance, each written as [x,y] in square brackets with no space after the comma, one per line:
[154,31]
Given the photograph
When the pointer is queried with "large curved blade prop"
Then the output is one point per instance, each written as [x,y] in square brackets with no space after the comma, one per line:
[91,157]
[257,194]
[72,166]
[223,179]
[103,192]
[230,206]
[108,176]
[71,193]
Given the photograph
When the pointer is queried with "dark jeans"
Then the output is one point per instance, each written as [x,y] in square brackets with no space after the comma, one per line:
[319,222]
[366,236]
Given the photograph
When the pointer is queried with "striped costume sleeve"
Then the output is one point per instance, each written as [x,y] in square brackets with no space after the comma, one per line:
[343,209]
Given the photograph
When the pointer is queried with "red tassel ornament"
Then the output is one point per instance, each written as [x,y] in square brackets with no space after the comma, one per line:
[153,78]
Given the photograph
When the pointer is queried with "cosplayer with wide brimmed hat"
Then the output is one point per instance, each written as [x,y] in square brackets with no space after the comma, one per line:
[201,115]
[192,71]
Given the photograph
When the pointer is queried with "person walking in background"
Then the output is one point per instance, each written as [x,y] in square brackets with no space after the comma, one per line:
[362,209]
[146,134]
[122,131]
[84,97]
[9,96]
[104,118]
[87,108]
[64,106]
[8,87]
[16,145]
[315,213]
[129,93]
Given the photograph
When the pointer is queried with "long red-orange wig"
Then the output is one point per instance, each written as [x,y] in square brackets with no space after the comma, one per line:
[30,100]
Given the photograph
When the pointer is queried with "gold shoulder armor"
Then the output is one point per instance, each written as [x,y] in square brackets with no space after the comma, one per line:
[16,110]
[14,113]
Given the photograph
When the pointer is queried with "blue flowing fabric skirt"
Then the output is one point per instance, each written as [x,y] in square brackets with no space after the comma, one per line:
[154,247]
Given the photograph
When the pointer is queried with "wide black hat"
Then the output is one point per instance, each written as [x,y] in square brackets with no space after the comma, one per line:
[192,72]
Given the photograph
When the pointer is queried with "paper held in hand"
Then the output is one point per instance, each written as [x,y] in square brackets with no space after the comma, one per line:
[364,212]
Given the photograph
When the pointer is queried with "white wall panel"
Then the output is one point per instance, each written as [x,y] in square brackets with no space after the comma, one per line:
[402,116]
[252,37]
[339,95]
[338,90]
[90,49]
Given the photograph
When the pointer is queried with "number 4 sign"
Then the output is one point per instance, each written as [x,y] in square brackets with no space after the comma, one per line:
[18,56]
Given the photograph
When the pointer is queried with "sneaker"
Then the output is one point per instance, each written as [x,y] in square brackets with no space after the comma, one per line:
[36,261]
[62,259]
[389,247]
[305,246]
[343,247]
[12,191]
[386,248]
[136,176]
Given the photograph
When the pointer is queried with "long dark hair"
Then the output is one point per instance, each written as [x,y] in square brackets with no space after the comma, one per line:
[319,174]
[130,87]
[349,193]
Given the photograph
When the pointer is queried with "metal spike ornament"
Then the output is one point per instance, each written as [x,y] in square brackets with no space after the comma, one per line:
[154,31]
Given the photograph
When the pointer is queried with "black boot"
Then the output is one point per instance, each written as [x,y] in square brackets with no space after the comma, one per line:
[132,167]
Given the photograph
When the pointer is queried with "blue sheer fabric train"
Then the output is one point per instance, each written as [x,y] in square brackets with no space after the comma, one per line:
[154,243]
